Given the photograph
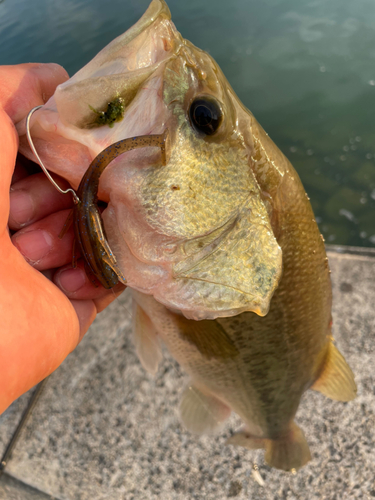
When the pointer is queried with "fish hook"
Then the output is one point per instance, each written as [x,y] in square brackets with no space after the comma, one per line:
[31,144]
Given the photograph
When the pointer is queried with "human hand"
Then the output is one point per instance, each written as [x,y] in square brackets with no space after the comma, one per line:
[46,306]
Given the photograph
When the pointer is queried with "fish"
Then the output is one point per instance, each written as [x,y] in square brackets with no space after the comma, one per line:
[220,246]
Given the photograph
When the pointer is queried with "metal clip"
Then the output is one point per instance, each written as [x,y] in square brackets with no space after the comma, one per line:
[31,144]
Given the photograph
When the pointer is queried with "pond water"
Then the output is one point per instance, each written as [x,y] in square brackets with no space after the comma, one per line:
[306,69]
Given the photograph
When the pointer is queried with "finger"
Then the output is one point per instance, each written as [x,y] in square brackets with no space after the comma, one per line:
[40,245]
[9,145]
[20,171]
[43,324]
[103,302]
[34,198]
[24,86]
[75,283]
[23,168]
[86,313]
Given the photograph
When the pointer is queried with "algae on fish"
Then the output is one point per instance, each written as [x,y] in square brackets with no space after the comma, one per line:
[114,113]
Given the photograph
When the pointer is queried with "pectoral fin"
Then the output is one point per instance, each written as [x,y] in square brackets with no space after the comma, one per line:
[202,413]
[146,341]
[336,379]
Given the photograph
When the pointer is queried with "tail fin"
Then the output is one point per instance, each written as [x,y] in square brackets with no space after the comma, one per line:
[289,452]
[286,453]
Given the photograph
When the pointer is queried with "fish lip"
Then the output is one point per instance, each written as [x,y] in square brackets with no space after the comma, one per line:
[191,261]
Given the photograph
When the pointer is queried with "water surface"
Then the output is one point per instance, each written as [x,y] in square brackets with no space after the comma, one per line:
[306,69]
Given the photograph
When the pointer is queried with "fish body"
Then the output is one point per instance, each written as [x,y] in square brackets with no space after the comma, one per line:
[257,366]
[220,245]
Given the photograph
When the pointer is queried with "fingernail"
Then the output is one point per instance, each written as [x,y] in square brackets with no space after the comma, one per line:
[72,280]
[34,245]
[21,207]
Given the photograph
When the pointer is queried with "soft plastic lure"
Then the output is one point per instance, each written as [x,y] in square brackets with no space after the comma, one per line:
[88,225]
[99,259]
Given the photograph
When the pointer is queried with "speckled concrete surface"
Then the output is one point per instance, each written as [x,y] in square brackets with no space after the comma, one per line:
[11,489]
[9,420]
[105,429]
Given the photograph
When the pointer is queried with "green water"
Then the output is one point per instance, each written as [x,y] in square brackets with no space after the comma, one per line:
[306,69]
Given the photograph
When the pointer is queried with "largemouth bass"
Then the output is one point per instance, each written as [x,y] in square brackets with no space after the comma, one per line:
[220,245]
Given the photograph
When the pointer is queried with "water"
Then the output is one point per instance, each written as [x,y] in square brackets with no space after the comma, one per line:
[306,69]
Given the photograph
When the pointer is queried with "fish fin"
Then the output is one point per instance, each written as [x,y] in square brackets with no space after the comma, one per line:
[336,379]
[202,413]
[245,439]
[146,341]
[289,452]
[286,453]
[209,337]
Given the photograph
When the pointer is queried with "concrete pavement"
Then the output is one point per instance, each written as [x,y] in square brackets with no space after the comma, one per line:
[105,429]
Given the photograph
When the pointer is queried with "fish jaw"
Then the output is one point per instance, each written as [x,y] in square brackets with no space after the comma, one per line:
[63,130]
[158,216]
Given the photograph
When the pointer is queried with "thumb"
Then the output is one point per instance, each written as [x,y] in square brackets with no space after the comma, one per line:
[24,86]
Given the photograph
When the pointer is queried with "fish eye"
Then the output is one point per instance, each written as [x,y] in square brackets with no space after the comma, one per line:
[205,115]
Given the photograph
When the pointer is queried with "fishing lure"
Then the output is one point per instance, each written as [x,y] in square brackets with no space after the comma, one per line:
[89,231]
